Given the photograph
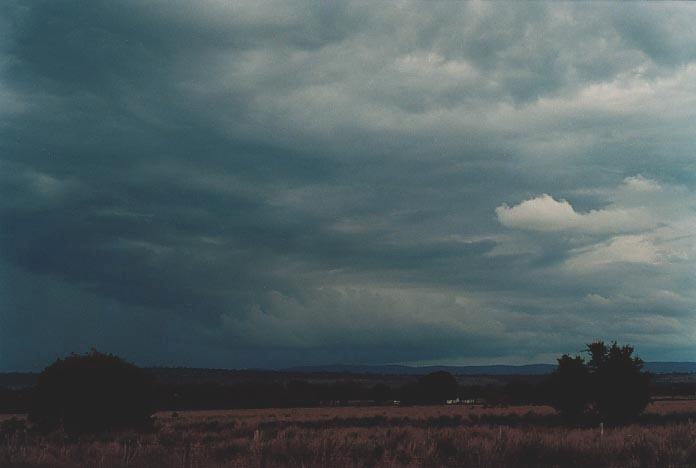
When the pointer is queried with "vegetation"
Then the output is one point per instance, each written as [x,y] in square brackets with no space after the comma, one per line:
[90,393]
[611,385]
[431,389]
[570,389]
[620,390]
[437,388]
[526,436]
[88,410]
[573,389]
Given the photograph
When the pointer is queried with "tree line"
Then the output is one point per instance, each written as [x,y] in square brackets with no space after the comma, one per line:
[96,391]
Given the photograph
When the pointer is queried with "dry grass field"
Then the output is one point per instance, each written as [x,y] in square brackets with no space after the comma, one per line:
[369,436]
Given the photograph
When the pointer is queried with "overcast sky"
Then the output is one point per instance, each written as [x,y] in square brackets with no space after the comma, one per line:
[252,184]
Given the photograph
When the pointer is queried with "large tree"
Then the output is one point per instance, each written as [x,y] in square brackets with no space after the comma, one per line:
[620,388]
[611,385]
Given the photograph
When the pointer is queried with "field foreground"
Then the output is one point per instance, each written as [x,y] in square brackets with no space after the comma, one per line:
[525,436]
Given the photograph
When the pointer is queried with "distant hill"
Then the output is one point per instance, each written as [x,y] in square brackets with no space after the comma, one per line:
[339,371]
[529,369]
[671,367]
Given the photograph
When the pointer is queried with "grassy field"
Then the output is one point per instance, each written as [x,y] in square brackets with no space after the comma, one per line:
[369,436]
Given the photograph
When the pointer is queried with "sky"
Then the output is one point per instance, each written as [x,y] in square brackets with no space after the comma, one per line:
[272,184]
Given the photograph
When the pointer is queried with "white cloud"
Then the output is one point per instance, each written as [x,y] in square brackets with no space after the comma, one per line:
[544,213]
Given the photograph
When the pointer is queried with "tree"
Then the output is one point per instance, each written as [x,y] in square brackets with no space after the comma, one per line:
[437,387]
[611,384]
[569,387]
[91,393]
[620,390]
[381,393]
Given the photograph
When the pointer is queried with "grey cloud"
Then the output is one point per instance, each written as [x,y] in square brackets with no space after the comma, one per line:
[272,179]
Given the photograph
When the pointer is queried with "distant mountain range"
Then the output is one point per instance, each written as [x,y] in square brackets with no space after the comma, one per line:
[223,376]
[527,369]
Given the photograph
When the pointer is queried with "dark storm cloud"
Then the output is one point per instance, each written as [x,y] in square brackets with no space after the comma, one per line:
[269,184]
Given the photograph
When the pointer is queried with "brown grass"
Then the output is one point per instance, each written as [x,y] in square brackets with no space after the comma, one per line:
[371,436]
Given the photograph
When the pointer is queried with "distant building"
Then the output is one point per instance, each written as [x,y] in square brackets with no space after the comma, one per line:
[468,401]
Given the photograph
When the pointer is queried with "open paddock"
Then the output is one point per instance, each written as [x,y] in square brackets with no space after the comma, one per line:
[522,436]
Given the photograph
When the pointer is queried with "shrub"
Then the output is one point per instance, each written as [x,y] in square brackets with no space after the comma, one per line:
[11,427]
[91,393]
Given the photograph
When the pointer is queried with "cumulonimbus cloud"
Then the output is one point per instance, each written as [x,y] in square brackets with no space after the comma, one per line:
[204,158]
[546,214]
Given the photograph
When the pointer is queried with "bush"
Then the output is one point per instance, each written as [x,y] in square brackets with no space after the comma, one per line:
[92,393]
